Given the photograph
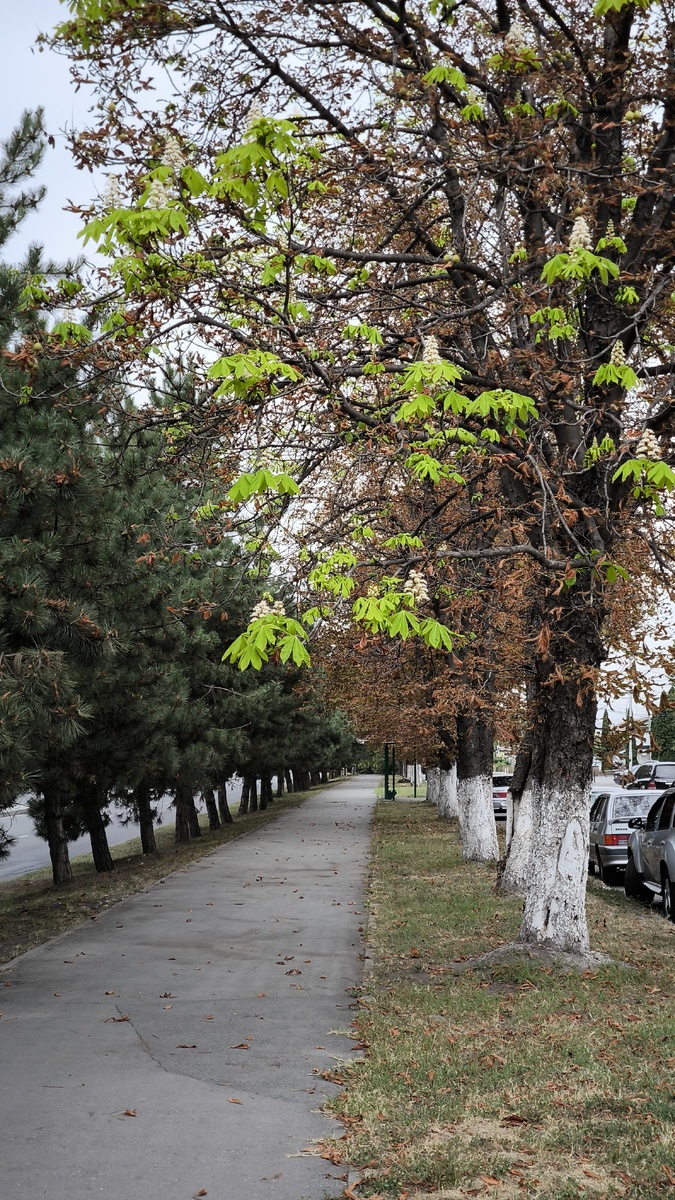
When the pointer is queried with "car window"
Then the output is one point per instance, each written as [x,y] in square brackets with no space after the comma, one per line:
[637,804]
[666,818]
[643,772]
[601,805]
[501,780]
[665,772]
[652,819]
[594,808]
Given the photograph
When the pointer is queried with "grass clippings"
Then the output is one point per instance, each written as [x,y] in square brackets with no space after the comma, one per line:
[32,910]
[518,1079]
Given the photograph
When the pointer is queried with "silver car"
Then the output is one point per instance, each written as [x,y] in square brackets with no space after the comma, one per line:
[650,870]
[500,791]
[611,812]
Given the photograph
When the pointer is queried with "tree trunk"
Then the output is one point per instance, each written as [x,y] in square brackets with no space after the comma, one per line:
[298,781]
[280,784]
[324,776]
[253,794]
[58,843]
[195,827]
[264,780]
[145,817]
[93,819]
[289,781]
[315,779]
[447,792]
[562,758]
[477,830]
[520,806]
[183,803]
[209,798]
[226,817]
[243,802]
[433,784]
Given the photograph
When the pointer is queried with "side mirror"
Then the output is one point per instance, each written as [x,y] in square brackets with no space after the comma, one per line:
[636,823]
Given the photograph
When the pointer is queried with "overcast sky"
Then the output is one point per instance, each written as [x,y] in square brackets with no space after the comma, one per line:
[31,78]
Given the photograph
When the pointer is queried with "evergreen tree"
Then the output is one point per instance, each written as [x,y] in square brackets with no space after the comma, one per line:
[663,728]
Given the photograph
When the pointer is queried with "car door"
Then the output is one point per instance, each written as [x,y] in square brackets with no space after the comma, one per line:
[597,816]
[651,852]
[664,824]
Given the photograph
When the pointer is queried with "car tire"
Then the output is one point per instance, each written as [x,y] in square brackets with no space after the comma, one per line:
[606,874]
[591,866]
[633,885]
[668,894]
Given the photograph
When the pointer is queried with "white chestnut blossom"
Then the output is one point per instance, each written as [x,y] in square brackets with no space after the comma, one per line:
[618,355]
[255,113]
[580,237]
[112,195]
[648,446]
[517,38]
[430,352]
[278,609]
[416,586]
[158,197]
[173,156]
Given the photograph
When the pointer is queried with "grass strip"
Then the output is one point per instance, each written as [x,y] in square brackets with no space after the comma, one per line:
[516,1080]
[32,910]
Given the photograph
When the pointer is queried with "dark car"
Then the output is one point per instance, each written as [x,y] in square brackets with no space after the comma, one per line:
[653,775]
[650,870]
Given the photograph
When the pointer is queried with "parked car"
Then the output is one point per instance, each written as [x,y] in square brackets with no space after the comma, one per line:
[611,813]
[650,870]
[653,776]
[500,790]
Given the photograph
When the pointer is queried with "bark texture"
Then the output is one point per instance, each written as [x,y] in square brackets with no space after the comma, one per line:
[142,796]
[93,818]
[209,798]
[56,838]
[433,784]
[477,830]
[555,901]
[226,817]
[447,798]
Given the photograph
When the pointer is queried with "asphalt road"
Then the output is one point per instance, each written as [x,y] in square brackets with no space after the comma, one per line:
[172,1047]
[30,852]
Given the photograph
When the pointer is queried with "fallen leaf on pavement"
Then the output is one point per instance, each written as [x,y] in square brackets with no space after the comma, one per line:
[201,1192]
[109,993]
[260,995]
[241,1046]
[165,995]
[117,1020]
[186,1046]
[232,1100]
[295,971]
[129,1112]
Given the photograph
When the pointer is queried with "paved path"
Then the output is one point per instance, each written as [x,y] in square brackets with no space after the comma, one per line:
[256,945]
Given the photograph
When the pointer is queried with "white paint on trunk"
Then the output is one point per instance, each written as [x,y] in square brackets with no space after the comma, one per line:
[476,814]
[555,900]
[517,867]
[447,802]
[433,784]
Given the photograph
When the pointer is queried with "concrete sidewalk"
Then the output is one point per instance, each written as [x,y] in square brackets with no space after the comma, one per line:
[148,1009]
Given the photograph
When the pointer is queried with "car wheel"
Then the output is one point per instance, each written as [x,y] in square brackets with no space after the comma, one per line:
[668,893]
[591,866]
[606,874]
[633,885]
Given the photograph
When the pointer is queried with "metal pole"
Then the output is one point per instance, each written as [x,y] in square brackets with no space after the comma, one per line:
[415,778]
[386,770]
[393,771]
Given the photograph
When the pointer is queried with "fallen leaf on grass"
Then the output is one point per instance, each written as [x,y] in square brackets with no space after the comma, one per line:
[414,952]
[592,1175]
[514,1119]
[232,1100]
[668,1173]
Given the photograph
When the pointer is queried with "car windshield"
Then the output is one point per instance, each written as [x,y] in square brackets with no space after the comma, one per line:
[501,780]
[635,805]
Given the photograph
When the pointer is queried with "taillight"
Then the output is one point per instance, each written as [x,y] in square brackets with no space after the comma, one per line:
[616,839]
[651,786]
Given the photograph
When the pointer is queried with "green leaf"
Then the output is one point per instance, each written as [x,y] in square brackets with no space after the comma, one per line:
[446,74]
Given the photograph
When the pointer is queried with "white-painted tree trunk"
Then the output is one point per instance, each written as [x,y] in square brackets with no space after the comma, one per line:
[433,784]
[447,803]
[521,810]
[555,902]
[475,810]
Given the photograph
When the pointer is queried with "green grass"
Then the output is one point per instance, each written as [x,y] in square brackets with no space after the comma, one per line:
[518,1080]
[404,791]
[32,910]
